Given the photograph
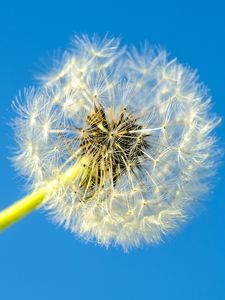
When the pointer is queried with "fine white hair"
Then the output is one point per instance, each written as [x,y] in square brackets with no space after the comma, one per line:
[156,191]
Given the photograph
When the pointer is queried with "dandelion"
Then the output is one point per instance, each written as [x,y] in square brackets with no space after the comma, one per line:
[116,144]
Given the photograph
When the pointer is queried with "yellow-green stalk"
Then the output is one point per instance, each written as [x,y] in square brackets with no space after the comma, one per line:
[29,203]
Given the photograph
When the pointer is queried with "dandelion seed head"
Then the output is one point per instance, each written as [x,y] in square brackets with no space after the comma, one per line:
[143,120]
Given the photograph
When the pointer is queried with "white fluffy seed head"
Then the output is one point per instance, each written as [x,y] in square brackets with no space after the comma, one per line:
[144,121]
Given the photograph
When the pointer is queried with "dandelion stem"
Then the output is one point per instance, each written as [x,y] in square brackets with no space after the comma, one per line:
[21,208]
[26,205]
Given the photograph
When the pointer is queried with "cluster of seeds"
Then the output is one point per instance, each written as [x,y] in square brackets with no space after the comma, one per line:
[114,145]
[143,123]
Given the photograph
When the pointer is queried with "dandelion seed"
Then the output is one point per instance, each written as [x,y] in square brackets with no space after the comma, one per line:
[138,125]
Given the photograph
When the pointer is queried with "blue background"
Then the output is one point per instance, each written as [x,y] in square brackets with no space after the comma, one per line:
[40,261]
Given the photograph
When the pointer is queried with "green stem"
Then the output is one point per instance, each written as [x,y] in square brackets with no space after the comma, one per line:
[26,205]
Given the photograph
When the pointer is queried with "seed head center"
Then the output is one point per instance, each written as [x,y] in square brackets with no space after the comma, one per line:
[113,145]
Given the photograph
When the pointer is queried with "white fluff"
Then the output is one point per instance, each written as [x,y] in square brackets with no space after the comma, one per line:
[171,106]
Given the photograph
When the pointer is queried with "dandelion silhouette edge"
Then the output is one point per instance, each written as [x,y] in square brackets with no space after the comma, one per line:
[143,121]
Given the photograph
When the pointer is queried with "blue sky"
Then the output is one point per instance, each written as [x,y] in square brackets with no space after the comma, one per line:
[39,260]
